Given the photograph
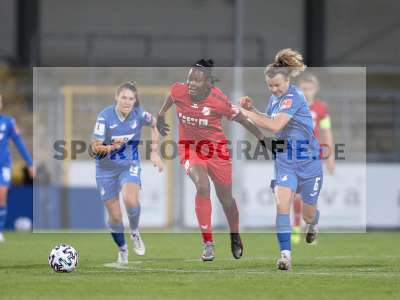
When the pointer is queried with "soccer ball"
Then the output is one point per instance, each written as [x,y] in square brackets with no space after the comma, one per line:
[63,258]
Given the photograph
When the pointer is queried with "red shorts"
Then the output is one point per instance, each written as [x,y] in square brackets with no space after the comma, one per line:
[219,168]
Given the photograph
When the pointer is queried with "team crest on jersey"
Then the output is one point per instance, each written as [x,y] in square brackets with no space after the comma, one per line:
[286,103]
[206,111]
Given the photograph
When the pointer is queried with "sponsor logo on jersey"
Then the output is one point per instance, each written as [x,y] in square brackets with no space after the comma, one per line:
[192,120]
[194,105]
[125,138]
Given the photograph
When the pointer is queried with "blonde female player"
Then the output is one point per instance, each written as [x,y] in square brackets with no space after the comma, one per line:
[298,167]
[115,139]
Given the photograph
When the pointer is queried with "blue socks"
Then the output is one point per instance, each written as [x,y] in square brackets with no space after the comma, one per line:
[283,231]
[117,232]
[3,216]
[134,215]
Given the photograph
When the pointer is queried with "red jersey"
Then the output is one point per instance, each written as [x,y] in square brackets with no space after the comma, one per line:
[319,111]
[201,120]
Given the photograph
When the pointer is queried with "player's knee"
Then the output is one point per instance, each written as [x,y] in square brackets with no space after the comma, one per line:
[116,219]
[203,188]
[308,218]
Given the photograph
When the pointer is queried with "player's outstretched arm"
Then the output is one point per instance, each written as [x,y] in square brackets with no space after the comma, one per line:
[162,126]
[275,125]
[19,143]
[250,126]
[155,142]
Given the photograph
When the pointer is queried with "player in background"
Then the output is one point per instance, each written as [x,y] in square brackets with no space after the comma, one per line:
[309,85]
[298,167]
[115,139]
[9,130]
[200,107]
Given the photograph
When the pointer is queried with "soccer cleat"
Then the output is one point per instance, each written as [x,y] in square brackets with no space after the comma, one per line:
[2,239]
[138,245]
[311,233]
[296,237]
[284,263]
[236,245]
[122,257]
[208,252]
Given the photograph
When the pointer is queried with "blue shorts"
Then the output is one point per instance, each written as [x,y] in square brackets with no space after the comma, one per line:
[308,188]
[109,185]
[5,176]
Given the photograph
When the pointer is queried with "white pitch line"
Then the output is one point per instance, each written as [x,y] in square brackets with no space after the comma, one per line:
[252,272]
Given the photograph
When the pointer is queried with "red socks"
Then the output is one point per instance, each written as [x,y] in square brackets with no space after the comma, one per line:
[297,212]
[203,213]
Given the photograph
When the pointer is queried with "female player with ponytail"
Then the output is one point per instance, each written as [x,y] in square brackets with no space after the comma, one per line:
[115,139]
[200,107]
[298,168]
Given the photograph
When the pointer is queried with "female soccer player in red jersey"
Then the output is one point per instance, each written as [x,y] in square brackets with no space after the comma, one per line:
[200,107]
[309,85]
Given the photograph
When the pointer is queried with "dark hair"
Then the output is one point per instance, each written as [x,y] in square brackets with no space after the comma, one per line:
[129,85]
[205,66]
[287,62]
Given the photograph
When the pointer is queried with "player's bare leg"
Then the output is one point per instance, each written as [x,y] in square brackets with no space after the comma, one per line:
[3,210]
[284,197]
[198,174]
[297,215]
[130,194]
[117,228]
[224,193]
[311,217]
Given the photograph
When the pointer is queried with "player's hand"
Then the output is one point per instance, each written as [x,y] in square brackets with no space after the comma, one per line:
[162,127]
[117,144]
[32,171]
[246,102]
[156,160]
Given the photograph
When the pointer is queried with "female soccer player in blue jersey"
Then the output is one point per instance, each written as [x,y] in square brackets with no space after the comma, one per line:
[115,139]
[9,130]
[298,166]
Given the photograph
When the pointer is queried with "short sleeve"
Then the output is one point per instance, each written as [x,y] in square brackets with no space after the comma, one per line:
[290,105]
[268,110]
[99,131]
[228,110]
[147,118]
[176,90]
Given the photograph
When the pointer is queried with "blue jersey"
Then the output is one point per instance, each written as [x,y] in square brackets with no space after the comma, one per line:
[8,130]
[303,152]
[109,127]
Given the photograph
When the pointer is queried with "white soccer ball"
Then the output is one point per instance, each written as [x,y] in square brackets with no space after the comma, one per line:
[63,258]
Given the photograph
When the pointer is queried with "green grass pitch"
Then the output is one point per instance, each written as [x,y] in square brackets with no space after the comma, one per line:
[346,266]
